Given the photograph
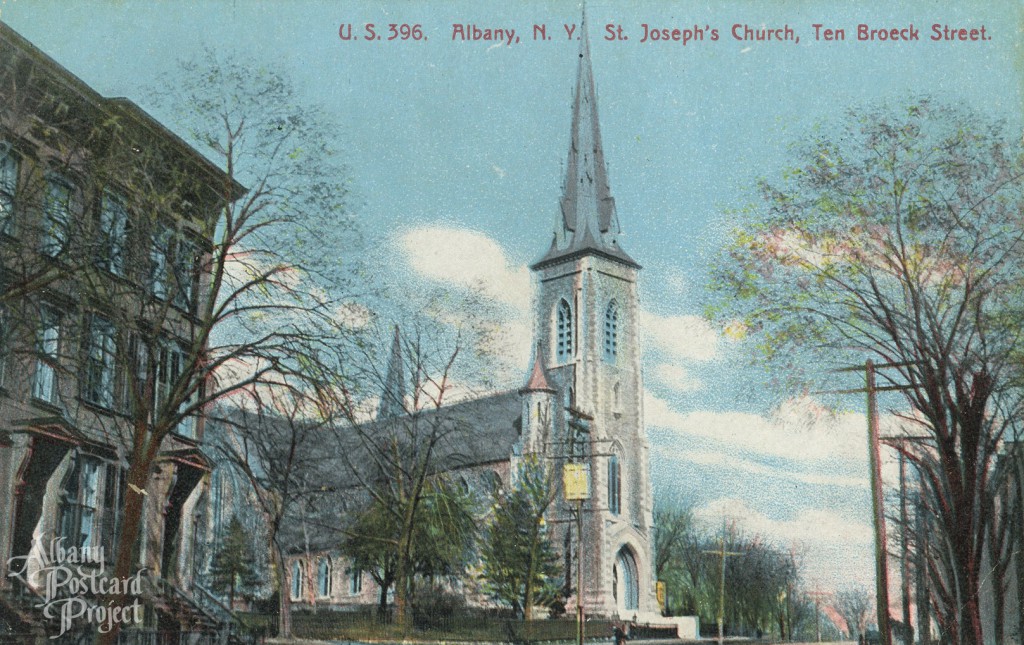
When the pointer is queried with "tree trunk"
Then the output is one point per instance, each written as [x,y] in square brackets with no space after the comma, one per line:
[382,601]
[530,572]
[402,574]
[284,605]
[137,478]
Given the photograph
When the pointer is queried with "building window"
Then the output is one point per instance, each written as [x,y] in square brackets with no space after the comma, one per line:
[171,360]
[173,267]
[44,384]
[611,332]
[113,234]
[355,582]
[113,492]
[186,273]
[8,187]
[297,574]
[80,504]
[563,322]
[614,485]
[159,255]
[98,380]
[323,577]
[57,216]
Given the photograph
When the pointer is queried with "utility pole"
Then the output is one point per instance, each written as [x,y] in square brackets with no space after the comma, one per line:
[904,544]
[877,501]
[877,505]
[723,554]
[817,595]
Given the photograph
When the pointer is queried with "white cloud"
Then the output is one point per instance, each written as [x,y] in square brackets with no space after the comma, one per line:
[732,463]
[467,259]
[472,261]
[798,430]
[688,338]
[807,527]
[677,378]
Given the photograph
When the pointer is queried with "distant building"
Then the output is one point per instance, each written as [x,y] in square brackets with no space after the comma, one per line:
[582,402]
[88,279]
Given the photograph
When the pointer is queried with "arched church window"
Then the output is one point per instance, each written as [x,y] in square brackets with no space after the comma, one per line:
[296,579]
[323,577]
[614,485]
[355,581]
[563,332]
[611,332]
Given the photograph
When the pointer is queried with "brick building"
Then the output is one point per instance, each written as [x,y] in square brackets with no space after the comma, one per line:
[106,218]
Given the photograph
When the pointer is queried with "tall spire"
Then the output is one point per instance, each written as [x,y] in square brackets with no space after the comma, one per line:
[588,221]
[392,400]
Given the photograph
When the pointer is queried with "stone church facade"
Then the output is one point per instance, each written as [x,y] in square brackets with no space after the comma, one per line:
[582,402]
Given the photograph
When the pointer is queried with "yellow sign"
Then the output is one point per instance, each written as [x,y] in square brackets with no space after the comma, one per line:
[661,594]
[576,481]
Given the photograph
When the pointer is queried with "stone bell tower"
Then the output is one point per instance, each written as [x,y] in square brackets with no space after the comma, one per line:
[587,329]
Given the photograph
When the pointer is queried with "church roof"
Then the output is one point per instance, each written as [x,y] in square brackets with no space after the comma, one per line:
[588,222]
[476,432]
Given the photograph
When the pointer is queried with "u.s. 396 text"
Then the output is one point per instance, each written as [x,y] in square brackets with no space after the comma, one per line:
[371,31]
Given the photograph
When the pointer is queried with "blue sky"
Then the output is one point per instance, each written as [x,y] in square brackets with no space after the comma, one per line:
[456,152]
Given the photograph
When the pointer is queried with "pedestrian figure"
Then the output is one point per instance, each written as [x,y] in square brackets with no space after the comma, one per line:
[620,634]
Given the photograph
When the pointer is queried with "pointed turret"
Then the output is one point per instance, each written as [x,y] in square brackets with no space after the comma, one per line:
[392,400]
[588,222]
[538,381]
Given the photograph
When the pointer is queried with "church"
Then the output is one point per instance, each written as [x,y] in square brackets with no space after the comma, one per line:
[581,403]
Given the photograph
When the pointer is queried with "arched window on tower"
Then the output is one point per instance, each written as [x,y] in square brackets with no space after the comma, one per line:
[614,485]
[563,332]
[611,332]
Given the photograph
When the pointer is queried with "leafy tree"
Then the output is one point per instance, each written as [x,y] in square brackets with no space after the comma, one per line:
[445,534]
[233,567]
[521,566]
[679,562]
[899,237]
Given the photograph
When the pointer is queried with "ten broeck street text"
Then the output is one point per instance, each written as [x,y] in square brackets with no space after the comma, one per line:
[686,34]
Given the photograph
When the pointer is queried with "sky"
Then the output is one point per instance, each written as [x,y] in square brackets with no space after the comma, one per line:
[456,153]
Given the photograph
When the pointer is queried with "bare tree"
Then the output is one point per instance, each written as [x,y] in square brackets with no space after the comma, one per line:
[854,605]
[279,447]
[394,458]
[185,287]
[899,237]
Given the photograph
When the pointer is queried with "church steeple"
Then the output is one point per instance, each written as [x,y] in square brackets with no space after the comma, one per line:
[392,400]
[588,220]
[538,380]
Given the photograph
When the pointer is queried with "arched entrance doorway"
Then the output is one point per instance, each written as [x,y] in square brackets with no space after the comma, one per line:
[626,582]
